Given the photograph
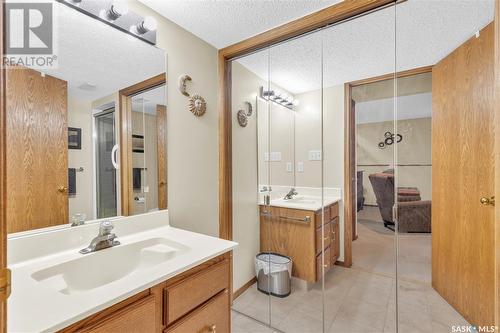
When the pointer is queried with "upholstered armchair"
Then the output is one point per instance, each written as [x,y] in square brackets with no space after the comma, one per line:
[414,215]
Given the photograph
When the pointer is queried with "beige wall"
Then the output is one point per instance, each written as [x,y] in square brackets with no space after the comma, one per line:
[192,145]
[308,137]
[80,116]
[415,148]
[275,135]
[245,196]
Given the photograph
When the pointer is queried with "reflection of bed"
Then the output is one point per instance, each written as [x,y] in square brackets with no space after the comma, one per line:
[414,215]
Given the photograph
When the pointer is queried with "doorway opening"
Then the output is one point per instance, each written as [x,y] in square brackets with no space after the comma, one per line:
[388,138]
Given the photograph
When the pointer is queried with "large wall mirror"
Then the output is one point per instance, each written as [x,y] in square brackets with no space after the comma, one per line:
[68,131]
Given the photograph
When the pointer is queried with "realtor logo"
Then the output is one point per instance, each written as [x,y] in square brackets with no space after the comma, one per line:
[29,35]
[29,28]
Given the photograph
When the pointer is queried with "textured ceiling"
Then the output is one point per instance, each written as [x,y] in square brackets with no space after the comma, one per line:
[90,51]
[222,23]
[409,85]
[417,33]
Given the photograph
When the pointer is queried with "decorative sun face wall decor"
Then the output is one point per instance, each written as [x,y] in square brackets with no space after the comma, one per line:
[197,104]
[243,115]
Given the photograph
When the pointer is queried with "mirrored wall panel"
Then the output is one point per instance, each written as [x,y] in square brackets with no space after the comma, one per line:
[363,131]
[63,138]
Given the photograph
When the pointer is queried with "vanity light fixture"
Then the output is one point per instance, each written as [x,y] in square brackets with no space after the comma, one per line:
[148,24]
[278,98]
[116,14]
[114,11]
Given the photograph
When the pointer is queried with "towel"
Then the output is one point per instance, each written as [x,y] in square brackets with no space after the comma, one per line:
[71,181]
[136,175]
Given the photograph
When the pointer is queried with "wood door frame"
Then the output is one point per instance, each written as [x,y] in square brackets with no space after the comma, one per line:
[497,157]
[329,15]
[3,165]
[350,153]
[161,144]
[125,128]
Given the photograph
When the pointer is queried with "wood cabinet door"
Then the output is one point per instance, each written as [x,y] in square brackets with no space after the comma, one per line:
[211,317]
[37,150]
[137,317]
[463,171]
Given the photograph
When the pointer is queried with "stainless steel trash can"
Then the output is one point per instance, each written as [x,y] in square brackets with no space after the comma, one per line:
[274,274]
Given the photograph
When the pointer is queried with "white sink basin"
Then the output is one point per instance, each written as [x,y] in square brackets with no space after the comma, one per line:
[301,200]
[102,267]
[305,200]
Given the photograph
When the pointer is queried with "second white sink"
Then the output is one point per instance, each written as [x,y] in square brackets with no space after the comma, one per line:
[102,267]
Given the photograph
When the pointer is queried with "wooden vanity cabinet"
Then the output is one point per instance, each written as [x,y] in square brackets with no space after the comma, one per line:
[298,234]
[197,300]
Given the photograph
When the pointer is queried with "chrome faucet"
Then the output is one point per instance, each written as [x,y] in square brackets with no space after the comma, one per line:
[102,241]
[290,194]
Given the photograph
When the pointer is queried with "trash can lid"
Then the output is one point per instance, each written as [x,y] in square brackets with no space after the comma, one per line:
[274,258]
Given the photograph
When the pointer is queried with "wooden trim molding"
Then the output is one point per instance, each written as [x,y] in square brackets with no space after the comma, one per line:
[3,164]
[125,119]
[350,154]
[244,287]
[329,15]
[324,17]
[497,159]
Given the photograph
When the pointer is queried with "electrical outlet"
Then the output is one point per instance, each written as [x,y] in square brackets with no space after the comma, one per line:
[300,166]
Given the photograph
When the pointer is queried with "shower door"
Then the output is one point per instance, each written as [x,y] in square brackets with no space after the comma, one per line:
[105,161]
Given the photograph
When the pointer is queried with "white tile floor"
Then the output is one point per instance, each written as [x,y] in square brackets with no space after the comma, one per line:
[358,299]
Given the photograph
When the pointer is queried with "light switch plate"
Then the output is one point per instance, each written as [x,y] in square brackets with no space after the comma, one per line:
[300,166]
[275,156]
[314,155]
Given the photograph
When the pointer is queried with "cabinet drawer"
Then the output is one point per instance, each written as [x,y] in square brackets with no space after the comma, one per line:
[211,317]
[319,217]
[327,234]
[193,291]
[136,317]
[328,263]
[334,210]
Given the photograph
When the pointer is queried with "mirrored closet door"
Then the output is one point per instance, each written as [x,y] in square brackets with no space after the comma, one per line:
[361,155]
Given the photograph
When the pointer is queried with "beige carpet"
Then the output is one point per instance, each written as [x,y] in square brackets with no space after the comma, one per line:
[375,249]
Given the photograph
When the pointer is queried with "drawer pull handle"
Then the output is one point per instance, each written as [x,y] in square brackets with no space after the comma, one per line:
[306,218]
[212,329]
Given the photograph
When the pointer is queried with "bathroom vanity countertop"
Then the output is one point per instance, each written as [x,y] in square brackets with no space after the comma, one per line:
[37,307]
[311,203]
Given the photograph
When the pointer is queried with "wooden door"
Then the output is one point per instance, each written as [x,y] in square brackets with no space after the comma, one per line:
[161,155]
[463,172]
[3,188]
[37,150]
